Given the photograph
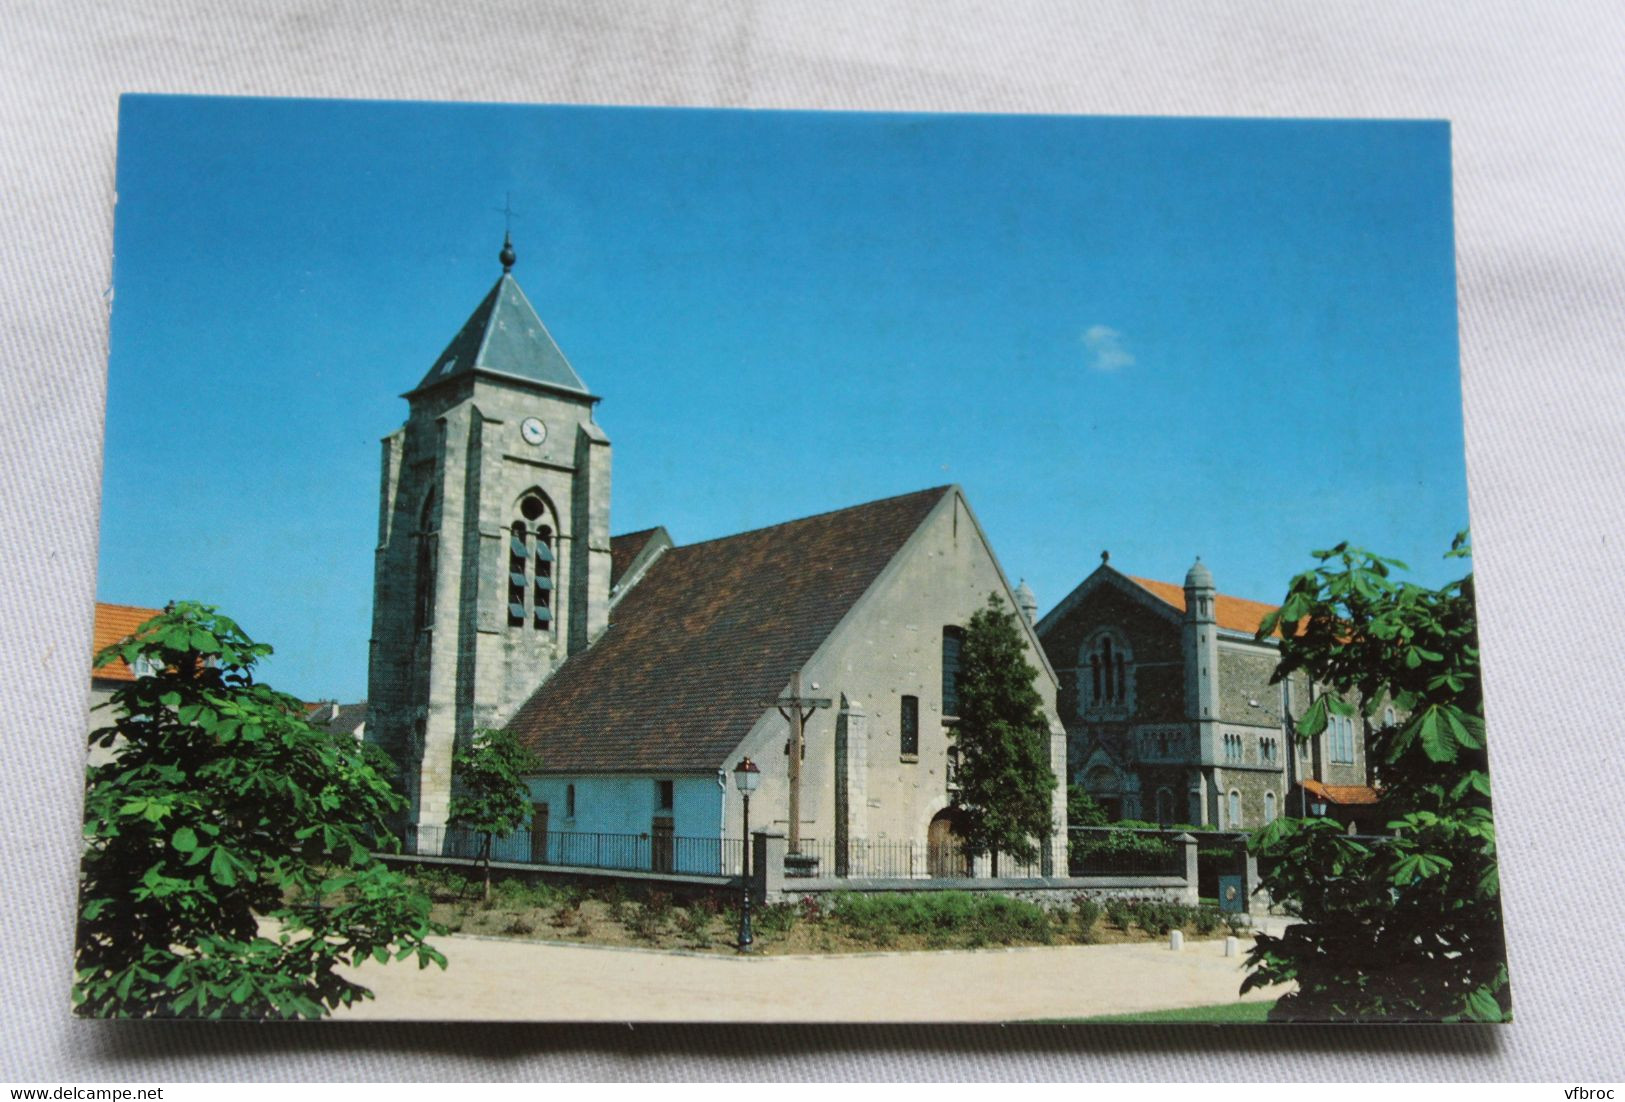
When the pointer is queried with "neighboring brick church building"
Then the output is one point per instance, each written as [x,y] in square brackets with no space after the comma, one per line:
[1171,717]
[642,672]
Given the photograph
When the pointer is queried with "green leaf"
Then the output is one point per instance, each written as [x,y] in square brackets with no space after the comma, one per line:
[222,867]
[1482,1006]
[1314,718]
[184,839]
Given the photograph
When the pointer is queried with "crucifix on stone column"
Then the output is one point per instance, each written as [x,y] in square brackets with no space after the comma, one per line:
[797,709]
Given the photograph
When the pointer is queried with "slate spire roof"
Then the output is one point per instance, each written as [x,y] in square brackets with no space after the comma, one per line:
[504,335]
[712,631]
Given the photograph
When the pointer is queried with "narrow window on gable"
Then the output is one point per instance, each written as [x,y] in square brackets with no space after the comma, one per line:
[1269,808]
[909,728]
[953,639]
[569,801]
[663,795]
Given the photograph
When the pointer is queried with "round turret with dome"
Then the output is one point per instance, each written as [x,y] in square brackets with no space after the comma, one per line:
[1027,601]
[1198,576]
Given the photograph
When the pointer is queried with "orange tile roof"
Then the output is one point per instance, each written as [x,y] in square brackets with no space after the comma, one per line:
[115,623]
[1232,613]
[1345,794]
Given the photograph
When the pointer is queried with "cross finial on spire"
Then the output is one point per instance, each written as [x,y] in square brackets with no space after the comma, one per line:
[1105,557]
[507,255]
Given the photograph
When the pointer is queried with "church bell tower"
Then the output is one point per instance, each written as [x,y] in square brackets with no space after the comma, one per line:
[493,563]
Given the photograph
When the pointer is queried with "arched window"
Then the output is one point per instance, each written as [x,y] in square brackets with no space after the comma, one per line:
[530,565]
[1269,808]
[1110,681]
[1235,810]
[1341,739]
[426,538]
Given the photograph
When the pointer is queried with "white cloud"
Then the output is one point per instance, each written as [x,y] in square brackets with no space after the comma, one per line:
[1106,351]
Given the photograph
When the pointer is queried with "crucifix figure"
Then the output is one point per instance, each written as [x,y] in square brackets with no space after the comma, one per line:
[797,709]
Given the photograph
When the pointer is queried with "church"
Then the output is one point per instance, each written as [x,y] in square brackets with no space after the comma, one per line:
[1171,716]
[642,672]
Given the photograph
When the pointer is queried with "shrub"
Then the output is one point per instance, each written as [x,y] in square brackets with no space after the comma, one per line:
[1206,920]
[693,923]
[518,927]
[441,884]
[1088,912]
[776,919]
[1118,913]
[942,918]
[517,893]
[615,897]
[658,905]
[812,910]
[645,921]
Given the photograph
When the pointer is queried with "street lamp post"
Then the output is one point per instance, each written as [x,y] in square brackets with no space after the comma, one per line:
[746,778]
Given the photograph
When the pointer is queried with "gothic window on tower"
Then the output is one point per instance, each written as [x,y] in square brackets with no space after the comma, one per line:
[423,608]
[909,728]
[530,566]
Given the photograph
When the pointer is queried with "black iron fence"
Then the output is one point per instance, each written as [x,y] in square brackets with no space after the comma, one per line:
[653,852]
[891,860]
[1124,851]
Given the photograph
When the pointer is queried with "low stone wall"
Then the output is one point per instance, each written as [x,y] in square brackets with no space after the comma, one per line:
[682,886]
[770,885]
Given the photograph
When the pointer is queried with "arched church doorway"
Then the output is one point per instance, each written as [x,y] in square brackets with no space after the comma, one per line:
[945,854]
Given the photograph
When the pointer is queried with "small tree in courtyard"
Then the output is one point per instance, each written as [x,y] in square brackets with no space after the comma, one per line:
[490,796]
[222,808]
[1407,928]
[1006,784]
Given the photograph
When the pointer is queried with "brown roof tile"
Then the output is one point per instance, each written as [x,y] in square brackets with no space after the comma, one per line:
[624,550]
[711,632]
[1231,613]
[1345,794]
[114,624]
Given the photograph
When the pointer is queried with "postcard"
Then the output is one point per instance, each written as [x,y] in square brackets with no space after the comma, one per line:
[580,564]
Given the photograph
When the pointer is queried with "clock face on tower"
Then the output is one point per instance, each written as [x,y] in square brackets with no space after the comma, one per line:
[532,429]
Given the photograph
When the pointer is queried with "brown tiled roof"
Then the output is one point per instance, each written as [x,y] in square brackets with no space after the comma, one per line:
[1345,794]
[624,550]
[1231,613]
[712,632]
[114,624]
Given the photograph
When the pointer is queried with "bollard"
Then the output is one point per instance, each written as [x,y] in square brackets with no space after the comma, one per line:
[1231,946]
[1176,940]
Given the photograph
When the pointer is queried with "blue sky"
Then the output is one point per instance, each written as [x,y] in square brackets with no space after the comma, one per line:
[1160,337]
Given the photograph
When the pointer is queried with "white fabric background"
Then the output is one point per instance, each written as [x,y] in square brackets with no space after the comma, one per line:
[1535,95]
